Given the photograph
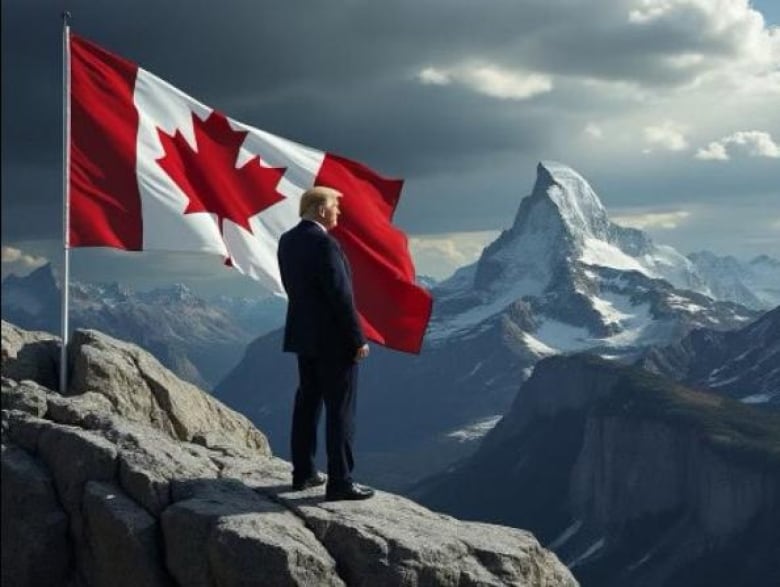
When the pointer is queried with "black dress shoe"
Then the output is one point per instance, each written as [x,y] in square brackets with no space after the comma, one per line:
[312,481]
[351,491]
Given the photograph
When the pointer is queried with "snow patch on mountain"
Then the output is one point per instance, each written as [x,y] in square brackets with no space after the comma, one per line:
[681,303]
[605,254]
[476,430]
[537,347]
[464,321]
[563,337]
[617,310]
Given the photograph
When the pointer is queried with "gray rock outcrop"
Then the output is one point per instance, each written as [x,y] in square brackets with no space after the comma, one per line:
[35,548]
[142,390]
[29,355]
[130,481]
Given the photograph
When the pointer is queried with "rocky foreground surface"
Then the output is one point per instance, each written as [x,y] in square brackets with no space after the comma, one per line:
[137,478]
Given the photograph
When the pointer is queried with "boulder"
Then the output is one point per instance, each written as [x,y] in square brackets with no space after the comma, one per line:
[124,540]
[224,532]
[27,396]
[141,390]
[30,355]
[149,462]
[389,540]
[36,549]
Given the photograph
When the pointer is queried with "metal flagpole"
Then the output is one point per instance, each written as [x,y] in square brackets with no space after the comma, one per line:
[65,197]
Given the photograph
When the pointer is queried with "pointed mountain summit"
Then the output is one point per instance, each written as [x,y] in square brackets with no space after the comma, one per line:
[563,220]
[577,204]
[569,261]
[42,278]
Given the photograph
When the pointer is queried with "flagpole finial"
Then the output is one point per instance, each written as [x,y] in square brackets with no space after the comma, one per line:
[66,16]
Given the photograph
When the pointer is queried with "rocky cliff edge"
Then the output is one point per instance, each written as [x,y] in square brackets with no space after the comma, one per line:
[137,478]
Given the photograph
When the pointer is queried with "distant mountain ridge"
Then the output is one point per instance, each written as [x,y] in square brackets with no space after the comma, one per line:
[743,364]
[755,284]
[199,340]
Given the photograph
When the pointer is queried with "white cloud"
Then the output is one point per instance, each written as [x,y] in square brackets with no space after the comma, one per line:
[668,135]
[754,142]
[757,143]
[433,76]
[18,262]
[439,255]
[501,83]
[657,220]
[714,151]
[14,255]
[733,27]
[655,44]
[490,80]
[594,131]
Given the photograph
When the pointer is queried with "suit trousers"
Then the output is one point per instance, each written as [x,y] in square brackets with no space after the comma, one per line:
[332,381]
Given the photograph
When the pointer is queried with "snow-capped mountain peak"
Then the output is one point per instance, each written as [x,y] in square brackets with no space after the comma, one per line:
[564,222]
[578,272]
[579,207]
[600,242]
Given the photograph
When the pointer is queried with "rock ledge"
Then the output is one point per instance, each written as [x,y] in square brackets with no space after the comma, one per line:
[136,478]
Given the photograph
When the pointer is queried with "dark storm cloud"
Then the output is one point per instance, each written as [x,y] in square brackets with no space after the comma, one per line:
[318,68]
[340,76]
[296,53]
[337,79]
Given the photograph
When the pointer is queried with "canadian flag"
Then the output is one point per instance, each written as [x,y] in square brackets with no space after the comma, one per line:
[153,169]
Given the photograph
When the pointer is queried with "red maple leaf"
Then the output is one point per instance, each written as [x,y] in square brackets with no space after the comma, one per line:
[209,177]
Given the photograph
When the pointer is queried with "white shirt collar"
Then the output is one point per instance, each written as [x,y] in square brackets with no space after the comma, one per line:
[322,226]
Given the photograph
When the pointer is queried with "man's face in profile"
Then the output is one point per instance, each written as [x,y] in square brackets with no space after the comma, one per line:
[329,213]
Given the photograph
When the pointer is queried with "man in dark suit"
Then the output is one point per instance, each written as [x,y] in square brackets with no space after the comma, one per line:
[323,329]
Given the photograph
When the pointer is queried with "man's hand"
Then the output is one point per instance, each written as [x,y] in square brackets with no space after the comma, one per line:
[361,353]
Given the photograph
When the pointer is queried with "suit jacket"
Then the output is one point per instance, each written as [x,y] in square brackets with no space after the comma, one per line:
[321,315]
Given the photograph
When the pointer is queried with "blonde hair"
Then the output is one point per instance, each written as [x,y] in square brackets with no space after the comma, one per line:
[315,197]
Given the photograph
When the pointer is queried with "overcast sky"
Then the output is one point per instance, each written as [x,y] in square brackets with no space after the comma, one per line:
[668,107]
